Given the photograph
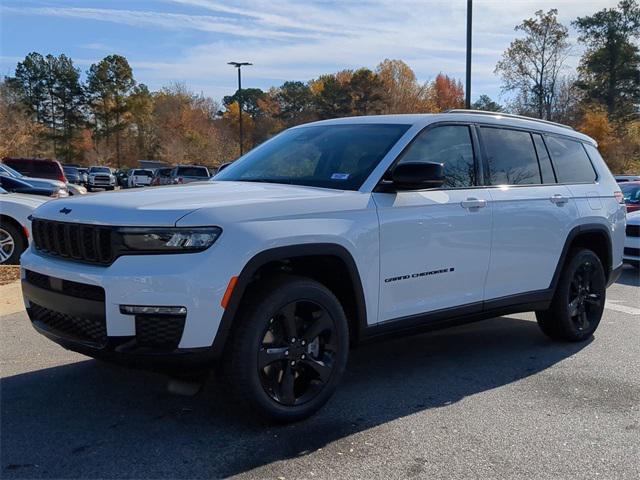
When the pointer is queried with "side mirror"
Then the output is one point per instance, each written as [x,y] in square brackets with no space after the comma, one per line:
[418,175]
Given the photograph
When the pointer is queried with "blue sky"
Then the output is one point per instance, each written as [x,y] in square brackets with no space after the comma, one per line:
[191,41]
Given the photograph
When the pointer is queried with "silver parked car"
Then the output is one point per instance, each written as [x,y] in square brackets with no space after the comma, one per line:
[189,173]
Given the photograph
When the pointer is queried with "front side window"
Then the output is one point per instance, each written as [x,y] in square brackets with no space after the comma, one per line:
[328,156]
[511,156]
[570,160]
[450,145]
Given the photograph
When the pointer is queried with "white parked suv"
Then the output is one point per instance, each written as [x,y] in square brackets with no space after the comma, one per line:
[327,235]
[15,209]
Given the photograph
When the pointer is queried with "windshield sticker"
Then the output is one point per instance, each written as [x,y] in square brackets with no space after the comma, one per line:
[340,176]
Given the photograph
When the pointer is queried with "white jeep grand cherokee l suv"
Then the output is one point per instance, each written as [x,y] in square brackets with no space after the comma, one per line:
[330,234]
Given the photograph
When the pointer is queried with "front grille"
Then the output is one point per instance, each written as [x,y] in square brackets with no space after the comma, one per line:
[73,289]
[86,243]
[101,179]
[159,332]
[85,329]
[632,252]
[633,230]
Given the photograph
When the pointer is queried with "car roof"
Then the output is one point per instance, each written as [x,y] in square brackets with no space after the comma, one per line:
[491,118]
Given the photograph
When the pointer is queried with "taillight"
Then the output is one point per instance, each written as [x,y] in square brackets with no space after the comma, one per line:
[618,196]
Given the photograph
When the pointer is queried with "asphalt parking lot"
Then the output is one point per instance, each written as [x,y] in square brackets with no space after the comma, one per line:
[491,400]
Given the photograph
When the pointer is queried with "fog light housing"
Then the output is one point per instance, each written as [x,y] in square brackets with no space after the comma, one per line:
[151,310]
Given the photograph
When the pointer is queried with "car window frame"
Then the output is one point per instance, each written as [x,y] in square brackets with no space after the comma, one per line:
[382,187]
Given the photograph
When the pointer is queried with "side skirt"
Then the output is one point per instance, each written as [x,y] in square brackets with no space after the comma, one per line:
[450,317]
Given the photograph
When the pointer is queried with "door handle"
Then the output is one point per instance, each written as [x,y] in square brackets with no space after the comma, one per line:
[559,199]
[473,202]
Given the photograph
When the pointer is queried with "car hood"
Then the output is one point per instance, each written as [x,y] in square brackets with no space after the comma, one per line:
[165,206]
[44,182]
[32,201]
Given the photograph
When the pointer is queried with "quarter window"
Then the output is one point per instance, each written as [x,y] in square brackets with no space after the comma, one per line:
[570,161]
[512,157]
[450,145]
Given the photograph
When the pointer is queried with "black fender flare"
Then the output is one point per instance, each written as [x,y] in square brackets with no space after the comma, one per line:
[283,253]
[573,234]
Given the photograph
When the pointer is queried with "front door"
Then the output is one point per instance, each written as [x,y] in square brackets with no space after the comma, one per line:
[435,244]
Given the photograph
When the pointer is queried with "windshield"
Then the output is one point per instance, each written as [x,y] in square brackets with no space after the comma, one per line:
[99,170]
[328,156]
[11,171]
[70,170]
[147,173]
[631,192]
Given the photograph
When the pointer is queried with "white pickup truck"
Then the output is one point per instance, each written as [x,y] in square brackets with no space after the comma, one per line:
[139,177]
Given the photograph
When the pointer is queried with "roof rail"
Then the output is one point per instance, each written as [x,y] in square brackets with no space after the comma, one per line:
[508,115]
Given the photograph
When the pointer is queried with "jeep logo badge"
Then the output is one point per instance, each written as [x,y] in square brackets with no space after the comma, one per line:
[65,210]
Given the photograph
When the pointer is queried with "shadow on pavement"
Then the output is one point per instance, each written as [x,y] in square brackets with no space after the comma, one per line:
[630,276]
[92,420]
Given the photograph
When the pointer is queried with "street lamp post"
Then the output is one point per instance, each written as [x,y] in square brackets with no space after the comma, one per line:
[239,66]
[467,101]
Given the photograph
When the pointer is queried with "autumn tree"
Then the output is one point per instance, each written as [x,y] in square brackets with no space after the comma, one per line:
[402,92]
[609,71]
[332,96]
[19,132]
[140,104]
[109,83]
[446,93]
[532,64]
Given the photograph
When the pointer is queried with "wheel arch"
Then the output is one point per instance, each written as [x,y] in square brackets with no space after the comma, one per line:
[595,237]
[295,257]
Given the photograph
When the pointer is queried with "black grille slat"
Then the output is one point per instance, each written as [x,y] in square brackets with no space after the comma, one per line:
[87,243]
[633,252]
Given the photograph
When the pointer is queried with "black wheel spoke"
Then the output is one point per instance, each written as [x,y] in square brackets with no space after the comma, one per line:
[287,393]
[583,322]
[321,368]
[320,324]
[289,319]
[593,299]
[268,355]
[574,307]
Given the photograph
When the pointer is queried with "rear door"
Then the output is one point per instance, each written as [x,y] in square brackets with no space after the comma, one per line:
[532,213]
[435,243]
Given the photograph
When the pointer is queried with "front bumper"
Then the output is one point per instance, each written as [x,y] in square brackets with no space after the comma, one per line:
[68,296]
[631,253]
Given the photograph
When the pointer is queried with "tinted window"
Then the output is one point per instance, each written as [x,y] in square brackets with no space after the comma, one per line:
[631,192]
[46,167]
[21,166]
[450,145]
[99,170]
[147,173]
[570,161]
[193,172]
[329,156]
[512,157]
[70,170]
[543,158]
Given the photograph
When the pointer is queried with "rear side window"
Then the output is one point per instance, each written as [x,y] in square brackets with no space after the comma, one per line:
[450,145]
[512,157]
[546,169]
[22,166]
[570,161]
[193,171]
[46,167]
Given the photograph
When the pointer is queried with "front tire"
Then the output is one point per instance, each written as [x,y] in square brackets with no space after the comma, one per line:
[578,303]
[289,349]
[12,244]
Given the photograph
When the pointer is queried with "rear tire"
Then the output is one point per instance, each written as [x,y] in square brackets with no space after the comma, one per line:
[288,350]
[578,303]
[12,244]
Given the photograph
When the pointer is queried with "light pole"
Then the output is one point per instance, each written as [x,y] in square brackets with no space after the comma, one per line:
[467,100]
[239,66]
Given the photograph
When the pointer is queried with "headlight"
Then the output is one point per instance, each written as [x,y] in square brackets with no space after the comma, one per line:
[168,240]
